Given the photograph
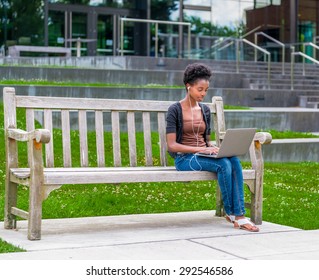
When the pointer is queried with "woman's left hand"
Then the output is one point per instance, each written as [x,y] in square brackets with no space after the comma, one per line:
[211,150]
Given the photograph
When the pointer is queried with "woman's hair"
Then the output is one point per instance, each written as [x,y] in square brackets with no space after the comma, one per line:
[196,71]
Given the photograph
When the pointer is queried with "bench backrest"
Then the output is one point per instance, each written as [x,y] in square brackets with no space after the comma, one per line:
[104,113]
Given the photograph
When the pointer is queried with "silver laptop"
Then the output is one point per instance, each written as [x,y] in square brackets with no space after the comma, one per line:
[236,143]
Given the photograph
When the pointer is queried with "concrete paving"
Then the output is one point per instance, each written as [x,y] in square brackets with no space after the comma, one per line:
[195,235]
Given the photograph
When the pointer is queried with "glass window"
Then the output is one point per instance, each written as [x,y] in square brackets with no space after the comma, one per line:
[108,3]
[79,30]
[264,3]
[56,28]
[105,35]
[223,12]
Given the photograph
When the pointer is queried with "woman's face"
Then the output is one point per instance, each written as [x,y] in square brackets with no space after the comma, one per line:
[198,90]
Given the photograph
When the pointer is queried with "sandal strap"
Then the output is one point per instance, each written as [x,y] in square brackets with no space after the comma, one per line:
[244,221]
[231,218]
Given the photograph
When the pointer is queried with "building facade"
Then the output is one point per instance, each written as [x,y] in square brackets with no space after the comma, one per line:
[289,21]
[97,24]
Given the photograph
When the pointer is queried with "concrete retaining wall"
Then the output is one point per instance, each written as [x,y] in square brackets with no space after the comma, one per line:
[292,150]
[295,119]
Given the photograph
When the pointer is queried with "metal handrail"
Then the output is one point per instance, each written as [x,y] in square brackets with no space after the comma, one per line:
[293,54]
[263,51]
[156,31]
[226,46]
[252,45]
[275,41]
[251,31]
[220,41]
[312,45]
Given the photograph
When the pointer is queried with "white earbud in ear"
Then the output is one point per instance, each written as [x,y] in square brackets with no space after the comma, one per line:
[188,88]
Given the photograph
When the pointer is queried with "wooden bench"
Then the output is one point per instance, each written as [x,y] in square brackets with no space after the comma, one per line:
[42,176]
[15,51]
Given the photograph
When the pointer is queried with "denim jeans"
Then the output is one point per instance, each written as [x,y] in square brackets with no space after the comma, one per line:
[229,176]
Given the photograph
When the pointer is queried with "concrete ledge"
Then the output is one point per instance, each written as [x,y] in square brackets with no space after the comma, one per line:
[15,51]
[281,119]
[292,150]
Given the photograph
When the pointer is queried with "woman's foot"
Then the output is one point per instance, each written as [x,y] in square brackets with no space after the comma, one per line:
[230,218]
[245,224]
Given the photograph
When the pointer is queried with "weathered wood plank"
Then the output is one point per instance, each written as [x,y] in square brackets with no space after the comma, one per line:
[20,213]
[162,138]
[220,128]
[30,119]
[99,130]
[124,176]
[147,138]
[9,105]
[219,119]
[36,188]
[84,158]
[94,104]
[66,138]
[49,153]
[23,172]
[116,138]
[39,135]
[29,124]
[131,138]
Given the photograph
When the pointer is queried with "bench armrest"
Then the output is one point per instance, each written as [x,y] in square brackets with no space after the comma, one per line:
[255,150]
[39,135]
[263,137]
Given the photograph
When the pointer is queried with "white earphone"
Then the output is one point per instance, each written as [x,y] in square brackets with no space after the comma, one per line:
[188,88]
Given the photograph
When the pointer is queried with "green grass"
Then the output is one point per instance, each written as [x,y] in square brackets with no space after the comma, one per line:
[290,134]
[291,190]
[39,82]
[8,248]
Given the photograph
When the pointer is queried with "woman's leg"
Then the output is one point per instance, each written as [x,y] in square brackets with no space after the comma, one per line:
[223,167]
[237,187]
[230,180]
[238,197]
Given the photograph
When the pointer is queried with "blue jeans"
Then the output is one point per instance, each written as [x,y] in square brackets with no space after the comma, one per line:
[229,176]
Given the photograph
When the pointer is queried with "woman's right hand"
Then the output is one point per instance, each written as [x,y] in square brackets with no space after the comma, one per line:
[213,150]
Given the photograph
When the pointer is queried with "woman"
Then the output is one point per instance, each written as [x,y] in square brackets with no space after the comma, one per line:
[188,132]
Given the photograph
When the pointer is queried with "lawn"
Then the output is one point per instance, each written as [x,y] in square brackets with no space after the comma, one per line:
[291,191]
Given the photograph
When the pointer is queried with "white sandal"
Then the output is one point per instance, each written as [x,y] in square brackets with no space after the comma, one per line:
[230,218]
[242,224]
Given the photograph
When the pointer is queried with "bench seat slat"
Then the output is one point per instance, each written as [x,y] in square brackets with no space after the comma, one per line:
[106,175]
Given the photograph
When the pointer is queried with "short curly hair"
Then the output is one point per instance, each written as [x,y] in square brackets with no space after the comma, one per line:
[196,71]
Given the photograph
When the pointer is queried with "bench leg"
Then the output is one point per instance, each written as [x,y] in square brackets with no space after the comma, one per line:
[256,203]
[219,203]
[10,201]
[35,211]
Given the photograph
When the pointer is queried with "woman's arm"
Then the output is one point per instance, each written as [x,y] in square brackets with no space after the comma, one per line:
[175,147]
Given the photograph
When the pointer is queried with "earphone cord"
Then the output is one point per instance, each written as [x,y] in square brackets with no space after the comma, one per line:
[197,139]
[195,134]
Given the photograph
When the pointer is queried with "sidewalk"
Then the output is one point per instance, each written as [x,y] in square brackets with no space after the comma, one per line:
[175,236]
